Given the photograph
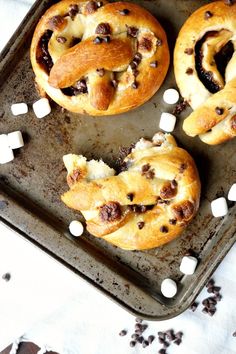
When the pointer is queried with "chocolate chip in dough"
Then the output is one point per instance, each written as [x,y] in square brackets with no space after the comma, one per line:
[110,212]
[56,22]
[208,14]
[132,31]
[124,12]
[189,71]
[183,167]
[145,344]
[141,225]
[188,51]
[100,72]
[73,11]
[134,85]
[219,111]
[91,7]
[114,83]
[97,40]
[103,28]
[172,221]
[164,229]
[130,196]
[107,39]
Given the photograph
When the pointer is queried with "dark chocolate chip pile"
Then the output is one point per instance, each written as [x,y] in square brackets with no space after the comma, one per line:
[164,338]
[180,107]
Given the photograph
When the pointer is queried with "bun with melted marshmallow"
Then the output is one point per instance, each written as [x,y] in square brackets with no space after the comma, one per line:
[147,205]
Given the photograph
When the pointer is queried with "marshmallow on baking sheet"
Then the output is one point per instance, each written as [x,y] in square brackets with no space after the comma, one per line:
[167,122]
[219,207]
[42,108]
[76,228]
[15,140]
[19,108]
[232,193]
[171,96]
[168,287]
[188,265]
[3,141]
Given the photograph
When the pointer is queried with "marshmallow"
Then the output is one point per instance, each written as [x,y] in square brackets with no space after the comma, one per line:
[143,144]
[171,96]
[42,108]
[6,154]
[188,265]
[76,228]
[232,193]
[219,207]
[3,141]
[19,108]
[168,288]
[15,140]
[167,122]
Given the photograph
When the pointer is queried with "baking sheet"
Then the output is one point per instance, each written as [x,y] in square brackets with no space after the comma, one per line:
[30,186]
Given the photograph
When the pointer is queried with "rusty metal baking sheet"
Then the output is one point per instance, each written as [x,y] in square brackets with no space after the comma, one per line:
[31,185]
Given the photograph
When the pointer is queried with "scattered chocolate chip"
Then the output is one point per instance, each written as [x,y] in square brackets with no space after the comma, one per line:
[205,302]
[73,11]
[132,344]
[91,7]
[179,335]
[138,57]
[110,212]
[98,40]
[124,12]
[211,312]
[144,327]
[162,351]
[154,64]
[103,28]
[101,72]
[145,344]
[161,335]
[99,4]
[219,111]
[161,340]
[150,339]
[174,184]
[130,196]
[135,72]
[212,300]
[61,39]
[133,65]
[138,326]
[234,334]
[189,71]
[74,41]
[141,225]
[211,283]
[180,107]
[218,297]
[6,276]
[208,14]
[188,51]
[123,333]
[107,39]
[145,44]
[170,334]
[132,31]
[140,339]
[138,320]
[134,85]
[164,229]
[138,332]
[135,336]
[56,22]
[81,86]
[166,345]
[178,341]
[210,289]
[172,221]
[159,42]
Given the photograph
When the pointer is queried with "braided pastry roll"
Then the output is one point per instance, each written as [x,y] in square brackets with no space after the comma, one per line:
[98,58]
[146,205]
[205,71]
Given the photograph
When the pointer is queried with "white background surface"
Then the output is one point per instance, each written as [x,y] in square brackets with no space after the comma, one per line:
[51,306]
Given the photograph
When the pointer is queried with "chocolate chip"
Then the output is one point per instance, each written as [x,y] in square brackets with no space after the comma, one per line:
[107,39]
[174,184]
[123,333]
[150,339]
[234,334]
[74,41]
[210,283]
[145,44]
[154,64]
[101,72]
[135,336]
[81,86]
[188,51]
[134,85]
[172,221]
[56,22]
[110,212]
[205,302]
[218,297]
[98,40]
[144,327]
[180,107]
[210,289]
[138,320]
[216,290]
[178,341]
[124,12]
[99,4]
[219,111]
[179,335]
[189,71]
[164,229]
[182,167]
[162,351]
[61,39]
[6,276]
[212,300]
[170,334]
[140,225]
[138,332]
[208,14]
[205,310]
[166,345]
[145,344]
[73,11]
[138,57]
[161,335]
[133,65]
[103,28]
[114,83]
[91,7]
[130,196]
[140,339]
[161,340]
[132,344]
[159,42]
[132,31]
[138,326]
[135,72]
[211,312]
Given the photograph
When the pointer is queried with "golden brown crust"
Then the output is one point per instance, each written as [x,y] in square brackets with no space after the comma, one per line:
[213,24]
[134,209]
[138,30]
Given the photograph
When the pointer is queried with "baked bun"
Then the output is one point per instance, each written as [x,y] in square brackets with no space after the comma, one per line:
[98,58]
[145,206]
[205,71]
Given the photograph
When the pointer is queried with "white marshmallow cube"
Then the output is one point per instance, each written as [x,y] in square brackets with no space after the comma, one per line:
[168,287]
[219,207]
[232,193]
[42,108]
[171,96]
[188,265]
[76,228]
[19,108]
[167,122]
[6,155]
[15,140]
[3,141]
